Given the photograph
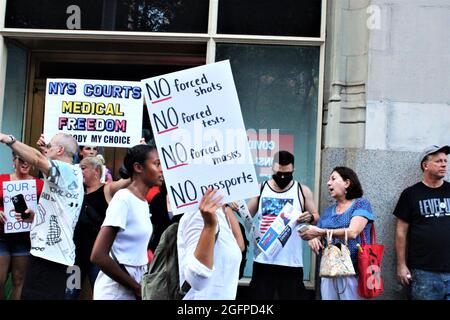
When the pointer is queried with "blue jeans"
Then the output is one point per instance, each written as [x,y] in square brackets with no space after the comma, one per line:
[428,285]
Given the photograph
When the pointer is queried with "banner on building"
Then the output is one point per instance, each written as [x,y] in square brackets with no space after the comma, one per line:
[95,112]
[200,134]
[10,189]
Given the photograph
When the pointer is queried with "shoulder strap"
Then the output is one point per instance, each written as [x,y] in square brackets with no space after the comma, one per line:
[303,195]
[260,192]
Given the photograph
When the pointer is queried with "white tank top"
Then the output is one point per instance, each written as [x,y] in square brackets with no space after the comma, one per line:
[270,204]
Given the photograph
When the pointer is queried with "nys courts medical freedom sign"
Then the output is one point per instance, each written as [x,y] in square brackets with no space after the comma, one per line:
[197,123]
[95,112]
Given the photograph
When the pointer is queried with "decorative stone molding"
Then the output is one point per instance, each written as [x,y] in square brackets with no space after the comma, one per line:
[346,74]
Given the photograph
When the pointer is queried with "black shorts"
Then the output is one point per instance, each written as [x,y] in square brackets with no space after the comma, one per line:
[271,282]
[44,280]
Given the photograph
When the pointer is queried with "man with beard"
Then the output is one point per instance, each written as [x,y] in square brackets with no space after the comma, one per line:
[281,276]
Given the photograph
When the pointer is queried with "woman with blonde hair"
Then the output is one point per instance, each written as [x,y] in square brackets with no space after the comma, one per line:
[96,200]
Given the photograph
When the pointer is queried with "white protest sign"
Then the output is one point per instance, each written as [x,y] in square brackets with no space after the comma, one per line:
[198,128]
[95,112]
[279,231]
[10,189]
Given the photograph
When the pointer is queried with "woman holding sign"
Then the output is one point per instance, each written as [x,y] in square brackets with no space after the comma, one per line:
[14,247]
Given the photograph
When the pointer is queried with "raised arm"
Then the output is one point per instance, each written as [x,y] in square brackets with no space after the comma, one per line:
[111,188]
[235,228]
[204,251]
[29,154]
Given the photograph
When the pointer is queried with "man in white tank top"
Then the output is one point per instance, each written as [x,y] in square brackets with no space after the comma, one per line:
[281,276]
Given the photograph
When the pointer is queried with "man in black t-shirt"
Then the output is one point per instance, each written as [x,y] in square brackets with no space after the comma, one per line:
[422,238]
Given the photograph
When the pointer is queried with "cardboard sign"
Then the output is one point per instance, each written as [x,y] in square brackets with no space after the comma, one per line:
[279,231]
[29,191]
[95,112]
[199,131]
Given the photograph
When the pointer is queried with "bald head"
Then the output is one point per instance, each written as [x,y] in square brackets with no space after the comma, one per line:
[68,142]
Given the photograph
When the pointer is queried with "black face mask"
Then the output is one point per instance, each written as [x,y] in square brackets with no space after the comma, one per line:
[282,179]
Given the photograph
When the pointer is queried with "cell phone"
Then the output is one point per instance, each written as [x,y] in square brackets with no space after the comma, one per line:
[20,206]
[303,227]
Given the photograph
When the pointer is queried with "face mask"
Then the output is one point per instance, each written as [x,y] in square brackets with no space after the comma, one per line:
[282,179]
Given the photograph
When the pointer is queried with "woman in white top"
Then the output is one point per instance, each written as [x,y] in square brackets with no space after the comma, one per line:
[120,249]
[210,265]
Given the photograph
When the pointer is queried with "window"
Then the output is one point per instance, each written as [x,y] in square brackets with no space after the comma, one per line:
[300,18]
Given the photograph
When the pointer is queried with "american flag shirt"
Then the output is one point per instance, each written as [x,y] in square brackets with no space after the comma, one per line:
[270,205]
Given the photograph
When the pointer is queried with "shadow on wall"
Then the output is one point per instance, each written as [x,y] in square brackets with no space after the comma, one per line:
[383,175]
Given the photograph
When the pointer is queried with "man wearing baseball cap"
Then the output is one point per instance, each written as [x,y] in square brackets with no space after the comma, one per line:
[422,237]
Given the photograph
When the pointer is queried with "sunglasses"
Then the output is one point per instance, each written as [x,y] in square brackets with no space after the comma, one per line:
[20,159]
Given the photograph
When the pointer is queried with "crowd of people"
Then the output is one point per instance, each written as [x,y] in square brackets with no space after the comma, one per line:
[105,230]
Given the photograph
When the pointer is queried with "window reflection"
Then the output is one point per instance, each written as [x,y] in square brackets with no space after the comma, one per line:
[299,18]
[278,92]
[120,15]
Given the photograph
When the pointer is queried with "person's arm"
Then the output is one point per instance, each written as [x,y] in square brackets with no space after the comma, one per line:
[111,188]
[315,244]
[401,232]
[311,214]
[357,225]
[252,205]
[204,251]
[29,154]
[234,224]
[197,236]
[100,256]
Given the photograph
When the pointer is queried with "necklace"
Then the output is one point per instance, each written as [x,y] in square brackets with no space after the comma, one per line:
[342,208]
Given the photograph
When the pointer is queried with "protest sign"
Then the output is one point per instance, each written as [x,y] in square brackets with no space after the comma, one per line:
[10,189]
[95,112]
[279,231]
[199,131]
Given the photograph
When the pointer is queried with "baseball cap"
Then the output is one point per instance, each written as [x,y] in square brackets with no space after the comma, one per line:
[433,149]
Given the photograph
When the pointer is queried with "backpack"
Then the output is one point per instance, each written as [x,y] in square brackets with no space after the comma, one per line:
[162,281]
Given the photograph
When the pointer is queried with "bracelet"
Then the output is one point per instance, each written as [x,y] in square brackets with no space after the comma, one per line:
[13,139]
[311,220]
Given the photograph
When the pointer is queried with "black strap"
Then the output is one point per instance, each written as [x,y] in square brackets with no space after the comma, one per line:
[303,196]
[260,193]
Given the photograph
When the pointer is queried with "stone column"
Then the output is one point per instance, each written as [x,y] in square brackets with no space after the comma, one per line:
[346,74]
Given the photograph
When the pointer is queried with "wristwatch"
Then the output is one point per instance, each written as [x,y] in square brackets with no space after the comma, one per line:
[13,139]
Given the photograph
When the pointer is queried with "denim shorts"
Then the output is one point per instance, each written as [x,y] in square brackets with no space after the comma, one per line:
[15,244]
[428,285]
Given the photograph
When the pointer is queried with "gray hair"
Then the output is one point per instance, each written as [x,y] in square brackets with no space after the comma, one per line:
[69,143]
[95,162]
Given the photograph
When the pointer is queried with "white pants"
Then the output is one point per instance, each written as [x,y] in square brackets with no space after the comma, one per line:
[341,288]
[106,288]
